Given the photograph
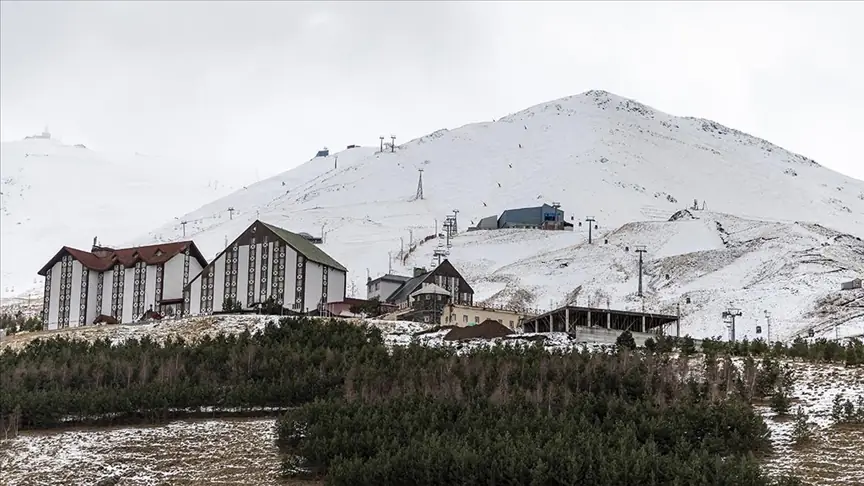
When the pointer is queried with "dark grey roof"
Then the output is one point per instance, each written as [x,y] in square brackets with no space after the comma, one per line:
[390,277]
[407,288]
[304,247]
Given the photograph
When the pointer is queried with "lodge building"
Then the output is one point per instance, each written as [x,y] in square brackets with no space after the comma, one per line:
[123,284]
[267,261]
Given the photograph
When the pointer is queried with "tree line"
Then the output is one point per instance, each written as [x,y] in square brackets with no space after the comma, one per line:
[849,352]
[420,415]
[58,380]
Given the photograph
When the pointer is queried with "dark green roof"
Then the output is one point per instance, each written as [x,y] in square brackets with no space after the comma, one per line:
[304,247]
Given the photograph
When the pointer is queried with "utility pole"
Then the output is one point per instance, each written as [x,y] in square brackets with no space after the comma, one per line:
[381,148]
[590,220]
[455,216]
[768,323]
[730,314]
[183,224]
[410,237]
[336,162]
[678,321]
[419,194]
[640,249]
[324,224]
[392,143]
[389,262]
[401,247]
[231,213]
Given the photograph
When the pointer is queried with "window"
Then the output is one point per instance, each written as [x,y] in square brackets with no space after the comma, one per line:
[464,318]
[511,324]
[476,319]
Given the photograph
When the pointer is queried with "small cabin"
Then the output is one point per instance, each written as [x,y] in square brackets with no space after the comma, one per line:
[323,153]
[851,285]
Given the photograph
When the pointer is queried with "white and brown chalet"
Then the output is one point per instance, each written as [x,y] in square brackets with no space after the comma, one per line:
[125,283]
[267,261]
[444,275]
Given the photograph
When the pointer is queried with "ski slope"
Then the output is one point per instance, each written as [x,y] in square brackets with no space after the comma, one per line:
[55,194]
[598,154]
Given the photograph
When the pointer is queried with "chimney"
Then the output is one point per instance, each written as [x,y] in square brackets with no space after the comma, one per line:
[419,271]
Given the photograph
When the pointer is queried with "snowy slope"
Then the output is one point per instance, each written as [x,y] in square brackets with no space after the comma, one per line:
[792,270]
[596,153]
[55,194]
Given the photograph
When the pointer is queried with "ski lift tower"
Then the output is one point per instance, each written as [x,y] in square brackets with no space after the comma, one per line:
[729,316]
[438,254]
[556,206]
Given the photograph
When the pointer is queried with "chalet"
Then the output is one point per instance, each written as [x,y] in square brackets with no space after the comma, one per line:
[851,285]
[122,284]
[444,276]
[267,261]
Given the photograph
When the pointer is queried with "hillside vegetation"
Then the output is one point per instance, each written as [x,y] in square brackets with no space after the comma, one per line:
[509,415]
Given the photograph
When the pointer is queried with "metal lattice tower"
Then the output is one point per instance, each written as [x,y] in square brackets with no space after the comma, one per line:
[419,194]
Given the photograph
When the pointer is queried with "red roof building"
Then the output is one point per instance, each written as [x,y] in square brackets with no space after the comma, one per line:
[122,283]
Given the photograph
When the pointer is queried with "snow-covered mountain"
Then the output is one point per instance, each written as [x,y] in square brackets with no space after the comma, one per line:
[598,155]
[55,194]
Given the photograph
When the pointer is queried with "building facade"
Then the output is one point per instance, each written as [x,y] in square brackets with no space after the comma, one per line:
[266,262]
[81,286]
[384,286]
[444,275]
[535,217]
[466,315]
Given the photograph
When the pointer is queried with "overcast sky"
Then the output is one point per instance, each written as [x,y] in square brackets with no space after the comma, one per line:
[242,85]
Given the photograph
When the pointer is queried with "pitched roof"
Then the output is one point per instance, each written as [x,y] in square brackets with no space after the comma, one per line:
[412,284]
[304,247]
[390,277]
[150,254]
[407,288]
[430,289]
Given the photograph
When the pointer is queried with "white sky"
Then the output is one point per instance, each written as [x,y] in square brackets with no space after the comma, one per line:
[256,88]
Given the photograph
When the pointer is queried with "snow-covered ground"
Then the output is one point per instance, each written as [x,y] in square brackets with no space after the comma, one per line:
[53,194]
[793,270]
[598,155]
[836,457]
[223,451]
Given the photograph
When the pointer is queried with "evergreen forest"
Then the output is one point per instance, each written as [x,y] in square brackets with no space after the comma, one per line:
[358,413]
